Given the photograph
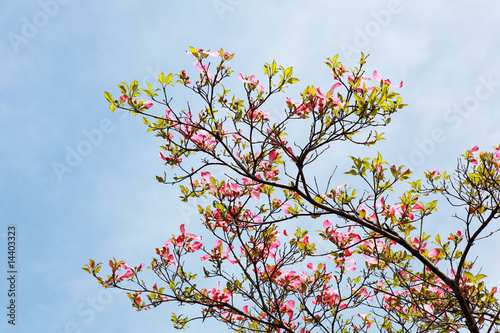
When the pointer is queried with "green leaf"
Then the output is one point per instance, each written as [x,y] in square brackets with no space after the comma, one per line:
[238,116]
[194,51]
[266,69]
[168,79]
[438,239]
[431,206]
[334,60]
[470,276]
[134,86]
[122,89]
[359,99]
[109,97]
[480,277]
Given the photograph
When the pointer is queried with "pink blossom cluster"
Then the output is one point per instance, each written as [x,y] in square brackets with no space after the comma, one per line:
[219,254]
[376,76]
[315,100]
[473,159]
[128,274]
[145,103]
[398,210]
[185,240]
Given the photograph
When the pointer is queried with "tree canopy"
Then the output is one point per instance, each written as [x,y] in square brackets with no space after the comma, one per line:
[289,250]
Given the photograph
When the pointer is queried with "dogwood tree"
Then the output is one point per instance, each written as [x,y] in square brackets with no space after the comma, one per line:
[289,250]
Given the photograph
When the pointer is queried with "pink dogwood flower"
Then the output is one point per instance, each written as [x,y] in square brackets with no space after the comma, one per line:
[204,140]
[434,253]
[497,154]
[377,77]
[147,104]
[470,155]
[252,81]
[203,70]
[286,208]
[256,114]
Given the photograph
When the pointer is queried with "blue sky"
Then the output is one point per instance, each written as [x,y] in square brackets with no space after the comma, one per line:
[59,56]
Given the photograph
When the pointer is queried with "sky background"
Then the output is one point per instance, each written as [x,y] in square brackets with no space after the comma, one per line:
[58,57]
